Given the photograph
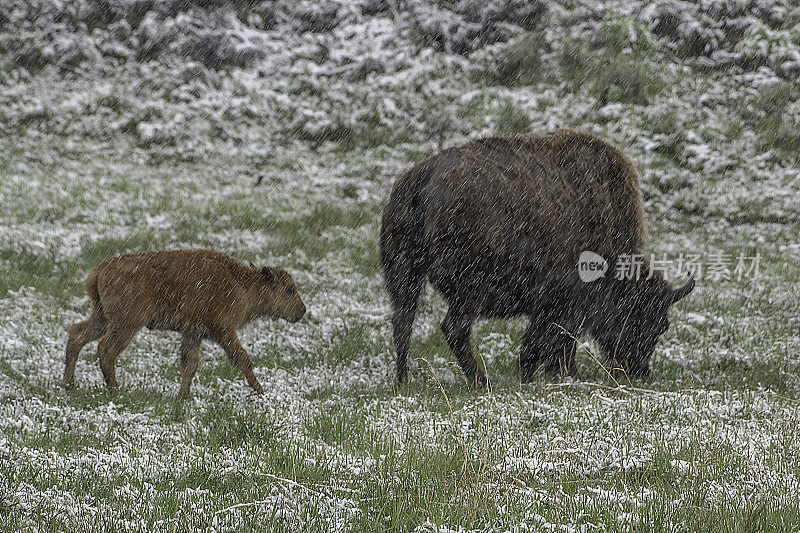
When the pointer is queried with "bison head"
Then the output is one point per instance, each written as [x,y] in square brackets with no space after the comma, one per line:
[630,330]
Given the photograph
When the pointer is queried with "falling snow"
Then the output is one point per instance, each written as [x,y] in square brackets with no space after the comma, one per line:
[130,125]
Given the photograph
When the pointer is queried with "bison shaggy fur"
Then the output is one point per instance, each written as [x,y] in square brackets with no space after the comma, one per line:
[497,226]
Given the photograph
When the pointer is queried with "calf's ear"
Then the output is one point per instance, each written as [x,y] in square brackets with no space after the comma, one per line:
[268,274]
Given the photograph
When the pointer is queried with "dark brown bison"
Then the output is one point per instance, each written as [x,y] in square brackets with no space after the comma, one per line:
[497,226]
[202,294]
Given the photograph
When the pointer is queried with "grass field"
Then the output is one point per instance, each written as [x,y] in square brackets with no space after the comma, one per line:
[709,442]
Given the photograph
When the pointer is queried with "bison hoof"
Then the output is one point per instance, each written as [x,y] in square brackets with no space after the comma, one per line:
[528,375]
[399,380]
[478,382]
[623,375]
[562,371]
[640,372]
[255,392]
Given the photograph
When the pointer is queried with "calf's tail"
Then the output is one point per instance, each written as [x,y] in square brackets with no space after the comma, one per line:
[90,285]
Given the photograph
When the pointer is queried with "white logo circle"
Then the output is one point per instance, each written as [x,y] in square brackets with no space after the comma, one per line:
[591,266]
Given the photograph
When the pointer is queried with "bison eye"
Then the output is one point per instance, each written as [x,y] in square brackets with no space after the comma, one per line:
[290,290]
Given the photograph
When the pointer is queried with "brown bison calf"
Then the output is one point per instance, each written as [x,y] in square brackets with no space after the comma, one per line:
[498,225]
[201,293]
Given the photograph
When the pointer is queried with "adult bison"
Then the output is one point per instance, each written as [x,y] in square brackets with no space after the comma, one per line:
[497,226]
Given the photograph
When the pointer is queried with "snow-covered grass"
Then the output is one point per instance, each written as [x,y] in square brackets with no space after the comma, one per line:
[122,145]
[711,438]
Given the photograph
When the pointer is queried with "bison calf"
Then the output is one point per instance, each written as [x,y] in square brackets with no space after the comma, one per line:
[203,294]
[497,226]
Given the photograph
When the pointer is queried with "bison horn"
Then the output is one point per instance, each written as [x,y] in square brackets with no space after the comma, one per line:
[678,294]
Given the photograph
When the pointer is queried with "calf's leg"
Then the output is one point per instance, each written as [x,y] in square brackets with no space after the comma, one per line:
[230,343]
[530,355]
[117,337]
[404,286]
[81,334]
[404,310]
[190,357]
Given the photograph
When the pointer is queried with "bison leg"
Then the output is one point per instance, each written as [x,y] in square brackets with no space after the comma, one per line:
[529,360]
[626,368]
[562,358]
[238,355]
[80,335]
[546,347]
[190,357]
[456,328]
[402,325]
[404,290]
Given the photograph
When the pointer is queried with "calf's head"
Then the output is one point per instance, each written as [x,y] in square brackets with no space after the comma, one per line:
[280,295]
[631,330]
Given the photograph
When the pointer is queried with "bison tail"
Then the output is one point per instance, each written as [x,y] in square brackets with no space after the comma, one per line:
[402,249]
[404,270]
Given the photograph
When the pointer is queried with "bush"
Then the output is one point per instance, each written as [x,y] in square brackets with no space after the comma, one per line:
[512,119]
[624,77]
[773,114]
[521,62]
[443,30]
[783,135]
[616,65]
